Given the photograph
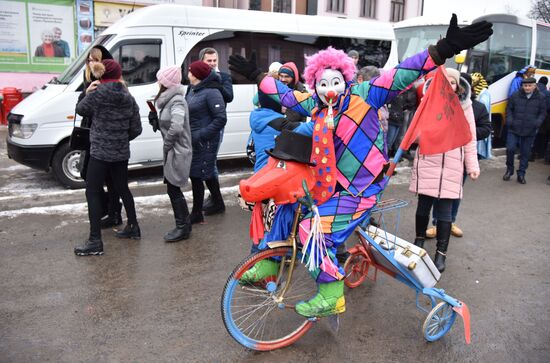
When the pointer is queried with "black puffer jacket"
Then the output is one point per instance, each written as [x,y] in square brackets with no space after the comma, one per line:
[525,115]
[207,119]
[483,123]
[115,121]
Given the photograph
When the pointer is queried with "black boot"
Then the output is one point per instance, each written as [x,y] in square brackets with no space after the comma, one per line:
[421,223]
[111,220]
[208,203]
[183,222]
[196,217]
[419,241]
[92,246]
[130,231]
[443,235]
[217,206]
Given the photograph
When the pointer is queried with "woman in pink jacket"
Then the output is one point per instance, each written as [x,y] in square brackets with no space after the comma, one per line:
[440,176]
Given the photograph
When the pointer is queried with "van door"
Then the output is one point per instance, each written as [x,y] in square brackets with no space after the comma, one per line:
[140,60]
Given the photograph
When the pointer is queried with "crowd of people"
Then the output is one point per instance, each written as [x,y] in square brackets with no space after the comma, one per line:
[192,123]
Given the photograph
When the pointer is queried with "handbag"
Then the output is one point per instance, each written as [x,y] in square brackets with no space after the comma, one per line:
[80,137]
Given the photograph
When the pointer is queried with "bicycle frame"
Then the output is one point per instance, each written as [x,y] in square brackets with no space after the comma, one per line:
[290,241]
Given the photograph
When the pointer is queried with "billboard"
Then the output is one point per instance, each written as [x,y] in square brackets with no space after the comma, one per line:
[37,35]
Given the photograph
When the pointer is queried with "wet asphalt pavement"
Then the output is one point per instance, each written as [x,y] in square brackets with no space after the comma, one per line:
[148,301]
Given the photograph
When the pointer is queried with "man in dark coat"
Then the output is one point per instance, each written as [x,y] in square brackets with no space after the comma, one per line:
[524,114]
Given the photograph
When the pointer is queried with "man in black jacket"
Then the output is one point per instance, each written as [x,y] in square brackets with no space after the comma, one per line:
[524,114]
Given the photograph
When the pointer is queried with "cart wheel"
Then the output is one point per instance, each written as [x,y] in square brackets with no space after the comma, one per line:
[356,269]
[439,321]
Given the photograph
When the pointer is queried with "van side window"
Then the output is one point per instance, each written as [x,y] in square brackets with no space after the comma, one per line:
[140,62]
[280,47]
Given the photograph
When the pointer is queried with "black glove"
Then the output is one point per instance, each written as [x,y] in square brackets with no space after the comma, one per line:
[458,39]
[154,120]
[247,68]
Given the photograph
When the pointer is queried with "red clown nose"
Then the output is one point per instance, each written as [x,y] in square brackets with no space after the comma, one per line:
[331,95]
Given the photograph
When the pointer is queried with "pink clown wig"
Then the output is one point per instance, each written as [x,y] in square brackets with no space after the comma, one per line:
[329,58]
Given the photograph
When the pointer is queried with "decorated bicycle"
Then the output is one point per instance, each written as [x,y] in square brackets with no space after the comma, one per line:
[264,304]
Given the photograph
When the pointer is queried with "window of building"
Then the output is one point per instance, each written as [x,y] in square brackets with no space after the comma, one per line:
[368,8]
[282,6]
[280,47]
[336,6]
[397,10]
[255,5]
[140,62]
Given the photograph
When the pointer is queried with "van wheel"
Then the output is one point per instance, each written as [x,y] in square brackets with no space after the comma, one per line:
[65,167]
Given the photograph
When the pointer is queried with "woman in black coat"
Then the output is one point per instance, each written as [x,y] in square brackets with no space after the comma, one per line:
[207,119]
[111,200]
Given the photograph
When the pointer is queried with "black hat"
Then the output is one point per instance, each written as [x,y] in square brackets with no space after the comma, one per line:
[528,80]
[291,146]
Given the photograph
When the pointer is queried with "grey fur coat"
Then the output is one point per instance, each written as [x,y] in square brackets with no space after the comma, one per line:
[176,135]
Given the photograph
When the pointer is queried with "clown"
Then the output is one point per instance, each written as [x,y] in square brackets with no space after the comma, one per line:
[348,149]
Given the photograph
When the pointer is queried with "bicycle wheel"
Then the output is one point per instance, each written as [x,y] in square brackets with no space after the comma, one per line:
[439,321]
[356,269]
[256,315]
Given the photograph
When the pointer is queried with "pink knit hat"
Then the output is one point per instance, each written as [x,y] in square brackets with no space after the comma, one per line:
[169,77]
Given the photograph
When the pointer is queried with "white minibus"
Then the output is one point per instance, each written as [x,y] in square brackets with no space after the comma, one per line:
[162,35]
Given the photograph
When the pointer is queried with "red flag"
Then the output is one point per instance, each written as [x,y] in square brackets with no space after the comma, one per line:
[439,122]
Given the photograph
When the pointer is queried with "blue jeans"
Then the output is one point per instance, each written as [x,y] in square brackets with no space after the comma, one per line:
[524,143]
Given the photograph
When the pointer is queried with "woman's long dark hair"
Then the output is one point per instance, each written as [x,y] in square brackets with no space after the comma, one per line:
[161,90]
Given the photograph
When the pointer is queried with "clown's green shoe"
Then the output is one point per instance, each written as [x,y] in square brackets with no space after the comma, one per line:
[264,270]
[328,301]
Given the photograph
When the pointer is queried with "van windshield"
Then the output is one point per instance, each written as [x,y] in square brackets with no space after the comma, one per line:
[67,76]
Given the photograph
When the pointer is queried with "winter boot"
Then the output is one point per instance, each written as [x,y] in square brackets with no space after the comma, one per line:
[92,246]
[264,270]
[328,301]
[443,235]
[421,222]
[208,203]
[130,231]
[183,222]
[196,217]
[217,206]
[111,220]
[419,241]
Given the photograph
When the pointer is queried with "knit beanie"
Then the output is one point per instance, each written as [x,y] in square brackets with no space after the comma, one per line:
[113,72]
[169,77]
[454,74]
[275,67]
[200,69]
[288,71]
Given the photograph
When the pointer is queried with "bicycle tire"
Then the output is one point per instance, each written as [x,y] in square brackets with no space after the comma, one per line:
[251,313]
[356,269]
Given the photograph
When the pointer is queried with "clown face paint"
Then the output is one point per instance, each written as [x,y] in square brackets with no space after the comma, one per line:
[330,86]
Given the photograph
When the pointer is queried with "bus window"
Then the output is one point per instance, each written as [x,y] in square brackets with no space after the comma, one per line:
[542,56]
[508,50]
[271,47]
[412,40]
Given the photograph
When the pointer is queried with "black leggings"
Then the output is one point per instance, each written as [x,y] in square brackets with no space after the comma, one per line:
[174,192]
[198,192]
[425,202]
[96,175]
